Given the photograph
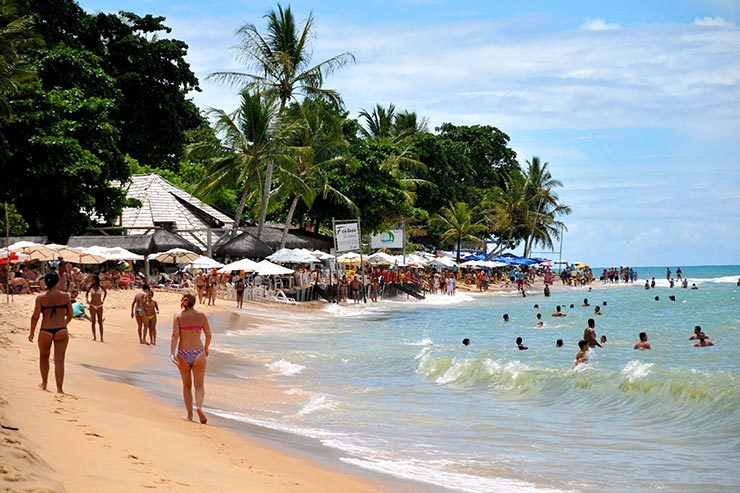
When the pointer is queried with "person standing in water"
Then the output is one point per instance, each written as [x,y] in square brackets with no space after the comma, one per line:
[189,353]
[643,342]
[589,335]
[582,356]
[56,310]
[95,297]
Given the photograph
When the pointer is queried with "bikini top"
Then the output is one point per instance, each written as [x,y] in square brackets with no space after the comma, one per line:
[53,308]
[191,327]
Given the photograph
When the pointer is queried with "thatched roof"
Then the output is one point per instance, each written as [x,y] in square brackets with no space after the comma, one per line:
[164,206]
[160,241]
[297,238]
[164,240]
[244,245]
[15,239]
[141,244]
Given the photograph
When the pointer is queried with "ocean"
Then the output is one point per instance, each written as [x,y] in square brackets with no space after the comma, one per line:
[390,387]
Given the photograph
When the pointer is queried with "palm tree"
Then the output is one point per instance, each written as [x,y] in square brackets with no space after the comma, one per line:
[378,122]
[282,60]
[250,142]
[319,136]
[508,211]
[16,34]
[545,206]
[459,223]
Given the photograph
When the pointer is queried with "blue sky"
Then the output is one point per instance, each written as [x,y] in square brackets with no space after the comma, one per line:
[635,104]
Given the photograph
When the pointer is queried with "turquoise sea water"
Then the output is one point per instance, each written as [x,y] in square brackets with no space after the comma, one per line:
[390,386]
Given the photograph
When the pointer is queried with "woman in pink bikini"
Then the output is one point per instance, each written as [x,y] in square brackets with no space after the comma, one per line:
[189,354]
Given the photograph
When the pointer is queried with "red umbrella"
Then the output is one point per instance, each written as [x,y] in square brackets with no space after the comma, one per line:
[8,258]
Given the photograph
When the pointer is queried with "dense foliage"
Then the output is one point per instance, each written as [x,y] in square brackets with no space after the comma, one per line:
[107,97]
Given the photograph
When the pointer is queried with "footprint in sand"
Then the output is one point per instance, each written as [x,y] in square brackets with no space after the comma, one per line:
[93,434]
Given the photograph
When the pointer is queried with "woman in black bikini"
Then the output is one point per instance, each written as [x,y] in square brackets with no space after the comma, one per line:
[56,310]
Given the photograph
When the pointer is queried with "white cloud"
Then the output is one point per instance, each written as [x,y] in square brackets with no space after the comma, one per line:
[599,25]
[713,22]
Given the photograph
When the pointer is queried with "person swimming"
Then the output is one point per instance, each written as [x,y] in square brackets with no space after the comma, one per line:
[582,356]
[602,340]
[466,342]
[558,312]
[643,342]
[694,286]
[597,310]
[703,341]
[698,333]
[519,345]
[585,302]
[506,317]
[559,343]
[540,323]
[589,334]
[657,298]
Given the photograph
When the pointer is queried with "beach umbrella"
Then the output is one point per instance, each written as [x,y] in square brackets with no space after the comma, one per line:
[267,268]
[349,258]
[76,256]
[113,253]
[34,251]
[6,256]
[244,264]
[581,265]
[292,256]
[175,256]
[381,258]
[204,262]
[322,255]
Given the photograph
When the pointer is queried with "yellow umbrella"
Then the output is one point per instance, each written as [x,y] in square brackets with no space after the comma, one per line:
[581,266]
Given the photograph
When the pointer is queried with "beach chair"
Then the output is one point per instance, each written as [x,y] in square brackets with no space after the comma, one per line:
[281,297]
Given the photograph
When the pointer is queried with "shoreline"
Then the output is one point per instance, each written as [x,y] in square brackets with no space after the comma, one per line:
[123,437]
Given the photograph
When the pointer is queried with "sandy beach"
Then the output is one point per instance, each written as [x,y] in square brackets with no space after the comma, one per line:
[106,434]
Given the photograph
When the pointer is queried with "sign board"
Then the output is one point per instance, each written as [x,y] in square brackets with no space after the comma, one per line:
[347,237]
[392,238]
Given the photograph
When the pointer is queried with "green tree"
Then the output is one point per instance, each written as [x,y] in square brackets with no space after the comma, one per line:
[459,223]
[16,36]
[151,77]
[319,139]
[15,224]
[282,63]
[509,210]
[250,143]
[545,206]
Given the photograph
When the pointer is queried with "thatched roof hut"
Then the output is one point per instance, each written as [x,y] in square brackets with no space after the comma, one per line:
[244,245]
[140,244]
[164,240]
[159,241]
[297,238]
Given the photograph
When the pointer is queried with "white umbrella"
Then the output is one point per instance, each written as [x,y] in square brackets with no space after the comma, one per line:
[412,260]
[381,258]
[240,265]
[267,268]
[35,251]
[322,255]
[175,256]
[442,263]
[289,256]
[204,262]
[113,253]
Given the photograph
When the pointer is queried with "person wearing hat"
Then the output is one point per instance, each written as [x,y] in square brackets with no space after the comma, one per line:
[55,311]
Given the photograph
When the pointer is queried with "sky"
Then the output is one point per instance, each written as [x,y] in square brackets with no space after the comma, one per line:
[634,104]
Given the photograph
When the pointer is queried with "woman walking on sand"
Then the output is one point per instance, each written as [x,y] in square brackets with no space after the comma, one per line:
[95,297]
[56,310]
[189,354]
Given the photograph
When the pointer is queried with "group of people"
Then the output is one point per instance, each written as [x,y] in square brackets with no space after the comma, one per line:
[590,339]
[190,341]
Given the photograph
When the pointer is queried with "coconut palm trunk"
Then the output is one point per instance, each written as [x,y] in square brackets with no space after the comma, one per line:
[288,220]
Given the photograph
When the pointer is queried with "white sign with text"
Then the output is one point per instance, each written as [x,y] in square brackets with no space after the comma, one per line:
[347,236]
